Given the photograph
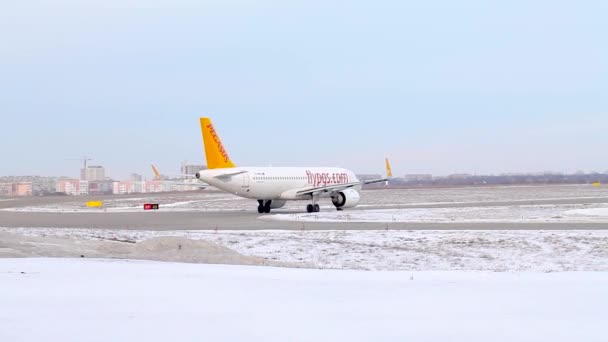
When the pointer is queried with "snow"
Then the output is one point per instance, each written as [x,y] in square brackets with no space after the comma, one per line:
[599,212]
[387,198]
[570,213]
[383,285]
[183,202]
[419,250]
[118,300]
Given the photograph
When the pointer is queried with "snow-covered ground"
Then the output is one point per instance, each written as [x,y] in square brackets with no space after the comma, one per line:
[388,198]
[567,213]
[496,250]
[499,285]
[208,201]
[117,300]
[570,213]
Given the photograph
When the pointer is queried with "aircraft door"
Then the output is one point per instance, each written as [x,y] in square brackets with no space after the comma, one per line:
[245,180]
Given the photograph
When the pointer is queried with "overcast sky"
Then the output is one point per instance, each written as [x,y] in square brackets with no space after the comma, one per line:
[438,86]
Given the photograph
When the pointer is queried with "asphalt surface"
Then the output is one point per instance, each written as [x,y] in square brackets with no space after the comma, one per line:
[249,219]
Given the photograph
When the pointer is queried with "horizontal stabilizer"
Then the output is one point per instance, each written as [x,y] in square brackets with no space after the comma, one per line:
[229,174]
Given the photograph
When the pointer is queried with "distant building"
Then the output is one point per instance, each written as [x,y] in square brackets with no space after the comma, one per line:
[45,184]
[93,173]
[6,189]
[191,169]
[20,185]
[418,178]
[135,177]
[161,186]
[22,189]
[101,187]
[128,187]
[183,186]
[16,189]
[152,186]
[460,176]
[156,186]
[73,187]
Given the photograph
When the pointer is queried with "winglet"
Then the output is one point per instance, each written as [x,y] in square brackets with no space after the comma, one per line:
[389,172]
[217,157]
[156,173]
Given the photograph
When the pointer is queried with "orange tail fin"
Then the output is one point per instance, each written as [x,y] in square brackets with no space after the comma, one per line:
[217,157]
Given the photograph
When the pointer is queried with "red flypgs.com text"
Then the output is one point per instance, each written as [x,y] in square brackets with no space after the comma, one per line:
[320,178]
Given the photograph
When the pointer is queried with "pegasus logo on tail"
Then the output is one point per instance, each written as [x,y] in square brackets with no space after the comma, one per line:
[218,142]
[217,156]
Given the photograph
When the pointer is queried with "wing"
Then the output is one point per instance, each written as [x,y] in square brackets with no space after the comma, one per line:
[338,187]
[389,175]
[372,181]
[327,188]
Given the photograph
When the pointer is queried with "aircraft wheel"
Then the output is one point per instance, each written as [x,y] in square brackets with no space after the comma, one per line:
[317,208]
[310,208]
[260,209]
[267,207]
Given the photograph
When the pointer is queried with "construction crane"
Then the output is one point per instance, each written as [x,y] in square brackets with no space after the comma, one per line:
[84,160]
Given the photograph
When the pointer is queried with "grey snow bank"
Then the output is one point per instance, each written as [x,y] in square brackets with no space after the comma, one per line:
[167,248]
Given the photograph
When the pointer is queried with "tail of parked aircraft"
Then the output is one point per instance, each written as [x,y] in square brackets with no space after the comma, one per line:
[389,172]
[217,157]
[156,173]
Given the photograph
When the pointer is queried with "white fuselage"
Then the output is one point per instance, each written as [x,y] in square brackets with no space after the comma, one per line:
[276,183]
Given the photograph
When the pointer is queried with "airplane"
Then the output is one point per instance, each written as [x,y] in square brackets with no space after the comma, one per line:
[272,187]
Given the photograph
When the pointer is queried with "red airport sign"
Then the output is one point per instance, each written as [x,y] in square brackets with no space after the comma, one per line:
[150,206]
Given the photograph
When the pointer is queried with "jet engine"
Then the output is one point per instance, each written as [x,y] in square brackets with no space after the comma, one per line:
[276,204]
[348,198]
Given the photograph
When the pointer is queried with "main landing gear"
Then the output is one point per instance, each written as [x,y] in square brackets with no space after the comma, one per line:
[264,206]
[313,208]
